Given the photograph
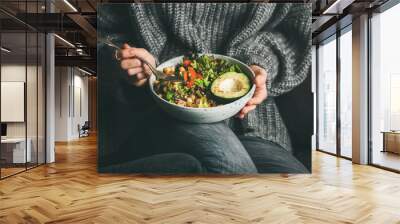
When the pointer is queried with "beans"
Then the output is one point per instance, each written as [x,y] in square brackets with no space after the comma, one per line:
[169,70]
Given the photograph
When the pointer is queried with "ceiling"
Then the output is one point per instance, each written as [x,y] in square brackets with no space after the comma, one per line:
[75,21]
[16,42]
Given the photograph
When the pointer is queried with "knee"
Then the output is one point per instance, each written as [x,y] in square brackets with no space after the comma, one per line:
[219,151]
[272,158]
[166,163]
[225,159]
[186,163]
[228,166]
[215,146]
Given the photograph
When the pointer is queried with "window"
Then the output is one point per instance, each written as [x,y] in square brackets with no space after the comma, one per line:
[385,87]
[22,101]
[327,96]
[332,77]
[346,93]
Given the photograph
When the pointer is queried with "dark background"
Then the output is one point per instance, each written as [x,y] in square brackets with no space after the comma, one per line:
[120,106]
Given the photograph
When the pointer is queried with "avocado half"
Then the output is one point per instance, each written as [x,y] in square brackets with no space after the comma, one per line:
[230,86]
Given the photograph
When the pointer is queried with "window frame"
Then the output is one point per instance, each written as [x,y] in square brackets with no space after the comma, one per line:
[336,38]
[381,9]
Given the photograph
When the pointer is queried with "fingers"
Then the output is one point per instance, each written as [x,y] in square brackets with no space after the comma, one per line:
[141,75]
[134,66]
[130,52]
[259,96]
[140,72]
[139,79]
[147,69]
[134,71]
[261,78]
[125,46]
[130,63]
[257,69]
[139,82]
[246,110]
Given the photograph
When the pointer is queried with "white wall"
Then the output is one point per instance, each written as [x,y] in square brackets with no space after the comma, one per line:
[80,111]
[62,82]
[16,73]
[70,83]
[33,127]
[12,73]
[12,101]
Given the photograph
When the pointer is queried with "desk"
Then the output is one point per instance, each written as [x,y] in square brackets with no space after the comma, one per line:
[13,150]
[391,141]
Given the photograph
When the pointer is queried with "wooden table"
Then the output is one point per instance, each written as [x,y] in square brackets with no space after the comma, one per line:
[391,141]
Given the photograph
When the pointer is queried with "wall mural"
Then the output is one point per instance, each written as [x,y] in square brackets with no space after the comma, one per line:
[204,88]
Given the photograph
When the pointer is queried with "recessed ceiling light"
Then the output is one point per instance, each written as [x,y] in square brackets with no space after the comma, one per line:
[70,5]
[5,49]
[84,71]
[337,7]
[65,41]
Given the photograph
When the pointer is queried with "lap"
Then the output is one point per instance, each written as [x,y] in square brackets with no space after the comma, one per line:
[269,157]
[214,145]
[183,164]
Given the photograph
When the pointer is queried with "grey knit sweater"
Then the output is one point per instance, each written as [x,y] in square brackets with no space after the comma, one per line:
[276,37]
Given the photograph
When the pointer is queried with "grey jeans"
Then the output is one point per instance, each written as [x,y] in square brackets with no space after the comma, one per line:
[181,148]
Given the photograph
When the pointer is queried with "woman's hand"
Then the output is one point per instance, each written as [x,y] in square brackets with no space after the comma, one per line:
[134,66]
[260,94]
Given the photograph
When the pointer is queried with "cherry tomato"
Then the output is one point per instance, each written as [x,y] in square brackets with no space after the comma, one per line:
[192,73]
[186,62]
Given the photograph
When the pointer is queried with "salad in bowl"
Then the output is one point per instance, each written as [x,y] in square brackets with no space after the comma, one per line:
[210,87]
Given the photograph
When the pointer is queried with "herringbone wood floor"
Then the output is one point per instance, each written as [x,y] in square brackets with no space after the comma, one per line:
[71,191]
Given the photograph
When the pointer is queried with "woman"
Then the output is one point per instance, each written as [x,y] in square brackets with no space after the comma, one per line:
[273,39]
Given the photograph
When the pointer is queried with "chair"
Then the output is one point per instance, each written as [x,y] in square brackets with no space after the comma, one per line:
[84,130]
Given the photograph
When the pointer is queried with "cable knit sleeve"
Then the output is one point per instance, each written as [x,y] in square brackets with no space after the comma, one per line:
[147,21]
[282,48]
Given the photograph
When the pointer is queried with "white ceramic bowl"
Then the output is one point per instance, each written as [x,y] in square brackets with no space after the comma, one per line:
[204,115]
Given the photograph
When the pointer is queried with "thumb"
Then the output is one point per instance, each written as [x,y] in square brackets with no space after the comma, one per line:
[125,46]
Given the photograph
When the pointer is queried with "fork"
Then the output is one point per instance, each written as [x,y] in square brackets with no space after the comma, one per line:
[159,74]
